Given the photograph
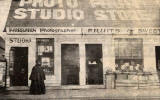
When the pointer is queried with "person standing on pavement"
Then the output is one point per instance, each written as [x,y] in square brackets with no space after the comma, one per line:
[37,78]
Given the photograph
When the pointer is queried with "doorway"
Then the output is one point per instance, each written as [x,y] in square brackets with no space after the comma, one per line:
[94,66]
[19,76]
[157,50]
[70,64]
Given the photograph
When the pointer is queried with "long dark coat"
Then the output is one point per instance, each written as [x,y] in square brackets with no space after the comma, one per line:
[37,78]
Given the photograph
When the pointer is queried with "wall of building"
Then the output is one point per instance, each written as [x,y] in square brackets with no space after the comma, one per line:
[107,41]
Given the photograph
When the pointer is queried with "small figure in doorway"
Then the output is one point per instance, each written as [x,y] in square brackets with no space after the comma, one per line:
[37,78]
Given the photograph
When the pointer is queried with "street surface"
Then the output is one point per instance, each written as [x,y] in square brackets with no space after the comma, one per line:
[86,94]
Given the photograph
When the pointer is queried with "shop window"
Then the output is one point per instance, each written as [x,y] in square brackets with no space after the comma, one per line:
[129,54]
[45,54]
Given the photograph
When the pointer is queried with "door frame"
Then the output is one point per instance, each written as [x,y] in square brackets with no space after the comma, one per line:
[11,69]
[82,73]
[157,57]
[78,63]
[101,45]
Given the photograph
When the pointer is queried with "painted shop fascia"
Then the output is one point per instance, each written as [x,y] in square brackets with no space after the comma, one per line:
[77,42]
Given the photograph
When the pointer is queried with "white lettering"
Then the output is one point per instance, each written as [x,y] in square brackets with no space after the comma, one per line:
[33,13]
[45,14]
[20,13]
[59,14]
[100,15]
[78,14]
[23,2]
[72,3]
[69,14]
[49,3]
[37,3]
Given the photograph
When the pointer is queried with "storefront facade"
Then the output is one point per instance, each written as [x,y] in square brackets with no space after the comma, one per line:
[72,58]
[77,49]
[69,62]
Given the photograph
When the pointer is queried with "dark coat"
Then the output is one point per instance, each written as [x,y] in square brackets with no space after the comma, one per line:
[37,78]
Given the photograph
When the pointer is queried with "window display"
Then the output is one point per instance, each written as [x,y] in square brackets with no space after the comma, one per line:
[129,54]
[45,53]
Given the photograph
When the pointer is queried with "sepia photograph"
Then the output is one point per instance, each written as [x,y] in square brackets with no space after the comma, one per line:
[79,49]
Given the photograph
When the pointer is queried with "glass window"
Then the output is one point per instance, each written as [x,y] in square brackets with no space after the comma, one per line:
[129,54]
[45,54]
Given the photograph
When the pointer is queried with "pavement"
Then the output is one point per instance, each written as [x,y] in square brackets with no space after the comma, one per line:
[85,94]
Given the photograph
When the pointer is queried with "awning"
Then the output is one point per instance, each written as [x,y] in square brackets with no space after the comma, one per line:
[84,13]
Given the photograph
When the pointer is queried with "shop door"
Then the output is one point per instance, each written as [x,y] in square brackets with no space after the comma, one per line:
[157,50]
[70,64]
[19,76]
[94,66]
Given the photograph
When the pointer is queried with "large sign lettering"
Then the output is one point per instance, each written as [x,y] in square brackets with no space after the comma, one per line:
[81,12]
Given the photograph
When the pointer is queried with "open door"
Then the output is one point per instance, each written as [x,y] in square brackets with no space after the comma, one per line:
[94,66]
[70,64]
[19,66]
[157,58]
[157,50]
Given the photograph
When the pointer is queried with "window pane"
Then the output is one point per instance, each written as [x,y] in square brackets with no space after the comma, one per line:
[45,54]
[129,54]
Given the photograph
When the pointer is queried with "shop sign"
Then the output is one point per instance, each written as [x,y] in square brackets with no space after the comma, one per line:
[19,40]
[81,13]
[130,31]
[78,30]
[42,30]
